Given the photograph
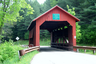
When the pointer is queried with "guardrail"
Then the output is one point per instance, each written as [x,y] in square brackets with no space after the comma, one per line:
[85,47]
[22,52]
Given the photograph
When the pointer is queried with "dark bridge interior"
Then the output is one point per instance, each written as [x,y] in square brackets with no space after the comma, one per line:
[61,33]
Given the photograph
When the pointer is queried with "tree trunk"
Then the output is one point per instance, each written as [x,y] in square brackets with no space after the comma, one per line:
[0,34]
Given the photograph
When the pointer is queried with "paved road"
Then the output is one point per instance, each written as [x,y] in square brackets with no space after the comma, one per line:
[49,55]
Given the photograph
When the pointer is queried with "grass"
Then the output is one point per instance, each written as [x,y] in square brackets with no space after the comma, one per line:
[45,42]
[27,57]
[21,42]
[24,59]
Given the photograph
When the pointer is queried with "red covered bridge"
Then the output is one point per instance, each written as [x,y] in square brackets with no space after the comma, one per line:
[54,20]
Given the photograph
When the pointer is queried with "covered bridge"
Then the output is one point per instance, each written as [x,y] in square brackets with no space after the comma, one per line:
[54,20]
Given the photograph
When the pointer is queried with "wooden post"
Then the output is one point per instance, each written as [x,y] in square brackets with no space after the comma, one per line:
[22,52]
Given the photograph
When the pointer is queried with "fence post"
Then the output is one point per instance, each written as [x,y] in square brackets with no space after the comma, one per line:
[19,55]
[93,51]
[77,50]
[22,52]
[85,50]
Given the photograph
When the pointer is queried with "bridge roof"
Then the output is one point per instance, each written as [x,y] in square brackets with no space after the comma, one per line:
[34,20]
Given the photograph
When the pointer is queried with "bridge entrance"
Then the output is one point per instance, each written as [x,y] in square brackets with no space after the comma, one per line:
[59,23]
[61,33]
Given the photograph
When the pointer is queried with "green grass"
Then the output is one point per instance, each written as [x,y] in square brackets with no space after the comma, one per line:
[21,42]
[24,59]
[45,42]
[27,57]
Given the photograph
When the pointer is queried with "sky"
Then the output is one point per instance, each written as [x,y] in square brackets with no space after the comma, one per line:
[41,1]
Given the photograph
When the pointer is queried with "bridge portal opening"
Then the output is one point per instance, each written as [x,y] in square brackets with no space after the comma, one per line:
[61,33]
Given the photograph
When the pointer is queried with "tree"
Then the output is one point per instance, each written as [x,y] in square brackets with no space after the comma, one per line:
[9,11]
[78,34]
[53,2]
[46,5]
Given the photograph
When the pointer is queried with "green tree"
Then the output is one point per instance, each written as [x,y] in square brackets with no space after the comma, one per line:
[20,28]
[46,5]
[9,11]
[78,34]
[53,2]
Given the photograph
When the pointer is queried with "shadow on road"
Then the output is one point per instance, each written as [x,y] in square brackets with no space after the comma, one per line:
[49,49]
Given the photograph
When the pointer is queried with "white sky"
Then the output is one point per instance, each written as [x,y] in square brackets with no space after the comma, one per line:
[41,1]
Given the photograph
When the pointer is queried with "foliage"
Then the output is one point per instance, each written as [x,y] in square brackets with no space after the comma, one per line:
[24,59]
[85,11]
[20,27]
[78,34]
[53,2]
[10,6]
[8,50]
[26,36]
[44,34]
[9,53]
[71,11]
[88,37]
[9,11]
[21,42]
[45,42]
[46,6]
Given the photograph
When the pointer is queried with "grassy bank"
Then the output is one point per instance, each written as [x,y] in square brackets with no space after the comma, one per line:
[9,53]
[24,59]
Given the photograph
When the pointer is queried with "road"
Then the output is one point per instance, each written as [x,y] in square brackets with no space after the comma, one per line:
[50,55]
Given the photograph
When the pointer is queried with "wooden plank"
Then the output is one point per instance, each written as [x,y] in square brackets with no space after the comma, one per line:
[22,52]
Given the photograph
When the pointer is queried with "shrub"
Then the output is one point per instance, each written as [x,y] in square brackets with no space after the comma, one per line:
[8,50]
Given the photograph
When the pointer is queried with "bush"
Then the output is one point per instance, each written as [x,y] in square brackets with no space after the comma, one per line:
[8,50]
[24,59]
[78,34]
[88,37]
